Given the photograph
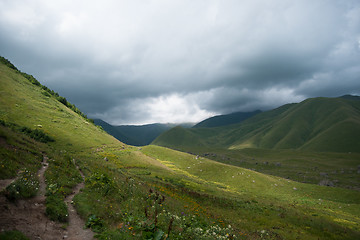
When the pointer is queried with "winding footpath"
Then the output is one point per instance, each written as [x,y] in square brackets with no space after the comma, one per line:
[76,230]
[28,216]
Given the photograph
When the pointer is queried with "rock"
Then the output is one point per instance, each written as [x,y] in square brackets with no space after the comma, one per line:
[278,164]
[324,174]
[326,182]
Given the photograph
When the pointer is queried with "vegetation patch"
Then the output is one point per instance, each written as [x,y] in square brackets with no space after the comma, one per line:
[36,134]
[17,152]
[56,208]
[26,186]
[61,176]
[95,223]
[12,235]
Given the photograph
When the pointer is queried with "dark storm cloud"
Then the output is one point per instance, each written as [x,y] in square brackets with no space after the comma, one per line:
[166,61]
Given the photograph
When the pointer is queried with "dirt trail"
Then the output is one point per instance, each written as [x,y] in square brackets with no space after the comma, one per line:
[28,216]
[76,229]
[5,182]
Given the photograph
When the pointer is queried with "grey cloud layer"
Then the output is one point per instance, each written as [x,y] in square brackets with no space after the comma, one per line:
[135,61]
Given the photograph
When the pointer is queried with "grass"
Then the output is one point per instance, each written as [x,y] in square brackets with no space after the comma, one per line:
[12,235]
[307,167]
[137,192]
[18,152]
[20,160]
[265,194]
[26,186]
[61,177]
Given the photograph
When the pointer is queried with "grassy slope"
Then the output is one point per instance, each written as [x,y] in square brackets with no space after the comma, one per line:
[266,193]
[256,205]
[228,119]
[319,124]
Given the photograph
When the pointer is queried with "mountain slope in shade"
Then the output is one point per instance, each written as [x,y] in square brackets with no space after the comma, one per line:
[317,124]
[110,129]
[227,119]
[136,135]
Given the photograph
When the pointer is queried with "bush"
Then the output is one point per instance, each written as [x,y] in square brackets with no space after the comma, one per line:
[62,100]
[37,134]
[8,63]
[95,223]
[31,79]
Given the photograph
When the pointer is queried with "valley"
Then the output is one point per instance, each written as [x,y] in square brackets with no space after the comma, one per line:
[193,183]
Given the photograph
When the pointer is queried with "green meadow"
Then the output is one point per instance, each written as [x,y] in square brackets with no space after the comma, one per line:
[154,192]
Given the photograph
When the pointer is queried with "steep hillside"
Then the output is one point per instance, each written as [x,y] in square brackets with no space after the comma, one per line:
[228,119]
[29,104]
[318,124]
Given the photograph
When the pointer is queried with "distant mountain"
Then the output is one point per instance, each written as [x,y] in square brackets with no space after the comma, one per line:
[137,135]
[316,124]
[228,119]
[351,97]
[112,130]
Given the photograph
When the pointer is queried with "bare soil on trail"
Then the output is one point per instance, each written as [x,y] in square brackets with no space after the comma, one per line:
[28,216]
[5,182]
[76,230]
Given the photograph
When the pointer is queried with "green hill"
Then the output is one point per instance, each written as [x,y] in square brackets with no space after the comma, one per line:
[318,124]
[150,192]
[227,119]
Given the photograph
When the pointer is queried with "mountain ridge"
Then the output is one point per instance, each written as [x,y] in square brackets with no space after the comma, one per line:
[226,119]
[313,122]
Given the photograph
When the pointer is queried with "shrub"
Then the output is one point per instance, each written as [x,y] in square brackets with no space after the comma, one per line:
[37,134]
[8,63]
[62,100]
[95,223]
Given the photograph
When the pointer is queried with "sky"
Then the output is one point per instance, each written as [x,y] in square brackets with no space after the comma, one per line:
[147,61]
